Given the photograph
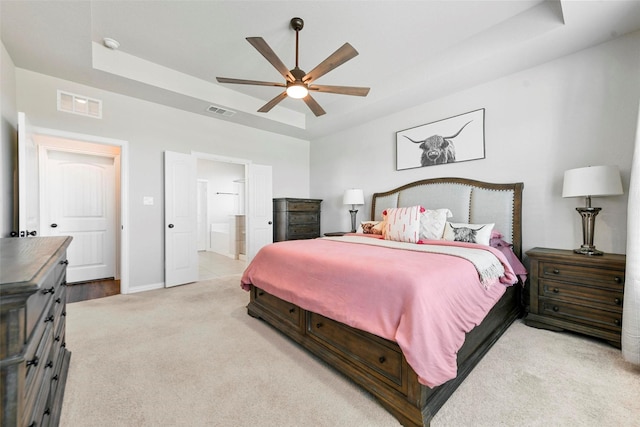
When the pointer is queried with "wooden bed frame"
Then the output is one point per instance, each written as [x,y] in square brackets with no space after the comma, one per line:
[378,365]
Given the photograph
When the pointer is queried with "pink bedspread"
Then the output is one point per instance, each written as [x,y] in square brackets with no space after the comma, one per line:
[425,302]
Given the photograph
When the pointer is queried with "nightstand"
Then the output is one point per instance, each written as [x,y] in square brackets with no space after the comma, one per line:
[336,233]
[579,293]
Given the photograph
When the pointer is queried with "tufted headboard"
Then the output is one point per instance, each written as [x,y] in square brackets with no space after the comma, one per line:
[470,201]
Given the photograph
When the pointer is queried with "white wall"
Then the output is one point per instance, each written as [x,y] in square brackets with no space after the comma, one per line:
[8,137]
[577,111]
[151,129]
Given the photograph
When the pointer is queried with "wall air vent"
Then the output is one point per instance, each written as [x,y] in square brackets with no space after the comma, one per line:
[78,104]
[220,111]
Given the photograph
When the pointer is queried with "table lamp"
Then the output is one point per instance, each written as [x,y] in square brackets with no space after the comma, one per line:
[589,182]
[353,197]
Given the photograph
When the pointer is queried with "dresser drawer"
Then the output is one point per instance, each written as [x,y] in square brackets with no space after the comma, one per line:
[370,353]
[37,304]
[575,292]
[302,206]
[283,309]
[605,319]
[38,366]
[303,231]
[296,218]
[612,279]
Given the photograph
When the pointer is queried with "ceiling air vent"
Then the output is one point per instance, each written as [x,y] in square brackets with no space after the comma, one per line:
[78,104]
[220,111]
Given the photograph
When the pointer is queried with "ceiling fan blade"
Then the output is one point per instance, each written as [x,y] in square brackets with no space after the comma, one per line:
[266,51]
[337,58]
[248,82]
[341,90]
[275,101]
[314,106]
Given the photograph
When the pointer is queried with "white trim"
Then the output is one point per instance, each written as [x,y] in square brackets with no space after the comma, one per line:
[124,191]
[216,158]
[145,288]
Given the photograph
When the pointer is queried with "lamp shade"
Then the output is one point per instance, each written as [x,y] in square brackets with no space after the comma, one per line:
[592,181]
[353,196]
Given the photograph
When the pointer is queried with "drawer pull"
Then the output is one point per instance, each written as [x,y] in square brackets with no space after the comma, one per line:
[50,290]
[49,364]
[616,322]
[33,362]
[382,359]
[556,271]
[318,325]
[49,319]
[617,279]
[260,293]
[55,378]
[617,301]
[292,310]
[65,262]
[58,300]
[556,290]
[57,338]
[64,313]
[556,308]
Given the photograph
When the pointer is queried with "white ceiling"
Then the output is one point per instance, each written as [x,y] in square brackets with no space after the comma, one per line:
[411,52]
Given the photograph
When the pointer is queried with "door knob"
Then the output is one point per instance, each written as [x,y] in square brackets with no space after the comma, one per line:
[170,225]
[270,222]
[54,225]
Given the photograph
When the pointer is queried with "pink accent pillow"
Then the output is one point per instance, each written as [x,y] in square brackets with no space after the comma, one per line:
[403,224]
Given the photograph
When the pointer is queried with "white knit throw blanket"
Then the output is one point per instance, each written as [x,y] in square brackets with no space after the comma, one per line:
[487,264]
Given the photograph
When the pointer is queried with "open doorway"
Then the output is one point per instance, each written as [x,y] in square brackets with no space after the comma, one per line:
[222,237]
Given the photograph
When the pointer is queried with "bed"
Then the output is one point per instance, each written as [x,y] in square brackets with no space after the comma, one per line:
[374,351]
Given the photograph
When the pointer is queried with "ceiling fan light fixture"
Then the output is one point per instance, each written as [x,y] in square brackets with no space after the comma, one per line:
[297,90]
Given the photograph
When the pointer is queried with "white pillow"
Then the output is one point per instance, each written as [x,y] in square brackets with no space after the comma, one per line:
[473,233]
[432,223]
[402,224]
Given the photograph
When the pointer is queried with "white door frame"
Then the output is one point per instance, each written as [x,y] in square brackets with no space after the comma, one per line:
[204,209]
[124,191]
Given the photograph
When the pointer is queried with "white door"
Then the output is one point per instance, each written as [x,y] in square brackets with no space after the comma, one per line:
[79,201]
[260,221]
[203,213]
[180,213]
[28,195]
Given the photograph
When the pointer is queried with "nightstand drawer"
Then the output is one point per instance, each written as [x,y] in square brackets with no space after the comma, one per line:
[613,279]
[582,314]
[575,292]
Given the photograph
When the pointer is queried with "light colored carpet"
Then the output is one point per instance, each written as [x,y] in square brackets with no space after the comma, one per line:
[191,356]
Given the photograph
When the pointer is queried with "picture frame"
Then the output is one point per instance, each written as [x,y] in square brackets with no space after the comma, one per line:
[454,139]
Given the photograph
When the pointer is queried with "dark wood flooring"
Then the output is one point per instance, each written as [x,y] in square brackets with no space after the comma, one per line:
[82,291]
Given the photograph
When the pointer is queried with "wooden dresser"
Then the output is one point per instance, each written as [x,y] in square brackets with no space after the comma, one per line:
[34,360]
[295,219]
[577,292]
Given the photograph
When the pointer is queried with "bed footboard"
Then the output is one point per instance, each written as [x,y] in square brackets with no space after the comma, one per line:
[376,364]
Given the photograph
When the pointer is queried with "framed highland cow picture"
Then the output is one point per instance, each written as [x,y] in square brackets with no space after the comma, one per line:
[455,139]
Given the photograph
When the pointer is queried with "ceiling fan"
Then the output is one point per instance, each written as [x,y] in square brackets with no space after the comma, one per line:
[298,83]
